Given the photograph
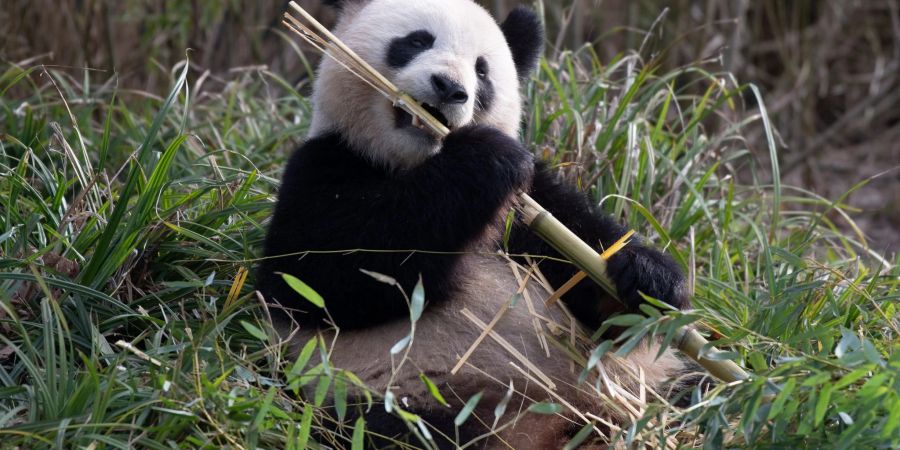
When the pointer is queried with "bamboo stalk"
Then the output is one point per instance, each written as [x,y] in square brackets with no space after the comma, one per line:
[689,341]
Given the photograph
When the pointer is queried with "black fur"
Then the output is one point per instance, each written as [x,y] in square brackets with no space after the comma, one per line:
[525,36]
[352,215]
[404,49]
[332,199]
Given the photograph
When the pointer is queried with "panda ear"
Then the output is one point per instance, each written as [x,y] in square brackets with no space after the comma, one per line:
[525,36]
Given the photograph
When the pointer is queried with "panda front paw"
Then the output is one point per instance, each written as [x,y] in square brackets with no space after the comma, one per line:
[493,151]
[636,268]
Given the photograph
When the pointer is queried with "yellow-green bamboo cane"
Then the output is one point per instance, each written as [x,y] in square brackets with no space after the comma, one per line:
[551,230]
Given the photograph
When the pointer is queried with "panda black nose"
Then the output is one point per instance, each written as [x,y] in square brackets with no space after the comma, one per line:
[448,90]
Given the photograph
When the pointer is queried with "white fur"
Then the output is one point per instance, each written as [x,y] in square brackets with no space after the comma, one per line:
[464,31]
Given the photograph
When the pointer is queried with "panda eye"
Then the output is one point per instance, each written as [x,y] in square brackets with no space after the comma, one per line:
[420,40]
[481,68]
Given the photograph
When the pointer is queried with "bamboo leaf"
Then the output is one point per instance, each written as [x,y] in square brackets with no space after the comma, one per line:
[304,290]
[254,331]
[305,427]
[359,430]
[424,429]
[389,400]
[304,357]
[595,357]
[822,403]
[500,409]
[417,302]
[467,410]
[340,398]
[782,398]
[893,420]
[264,408]
[381,278]
[433,389]
[625,320]
[360,384]
[545,408]
[321,391]
[400,345]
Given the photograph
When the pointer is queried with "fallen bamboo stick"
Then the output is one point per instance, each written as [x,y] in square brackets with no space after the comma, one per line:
[688,340]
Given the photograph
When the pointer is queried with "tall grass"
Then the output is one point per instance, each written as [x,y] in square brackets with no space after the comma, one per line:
[152,205]
[130,220]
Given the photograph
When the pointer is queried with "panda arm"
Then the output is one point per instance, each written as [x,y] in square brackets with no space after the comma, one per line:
[634,268]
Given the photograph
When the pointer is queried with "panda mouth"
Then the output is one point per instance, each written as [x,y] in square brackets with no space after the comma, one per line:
[404,119]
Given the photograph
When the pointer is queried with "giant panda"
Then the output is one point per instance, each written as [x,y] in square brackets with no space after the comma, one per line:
[371,192]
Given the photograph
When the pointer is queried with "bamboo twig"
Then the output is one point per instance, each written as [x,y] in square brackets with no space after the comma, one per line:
[548,382]
[689,341]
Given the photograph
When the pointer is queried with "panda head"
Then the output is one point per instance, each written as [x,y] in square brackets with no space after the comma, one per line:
[450,55]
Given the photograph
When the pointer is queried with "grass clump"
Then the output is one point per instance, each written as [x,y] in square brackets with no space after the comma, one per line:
[131,219]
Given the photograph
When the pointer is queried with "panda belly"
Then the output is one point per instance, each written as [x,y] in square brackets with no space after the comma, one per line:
[446,331]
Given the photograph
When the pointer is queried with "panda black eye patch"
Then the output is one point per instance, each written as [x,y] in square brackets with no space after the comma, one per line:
[404,49]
